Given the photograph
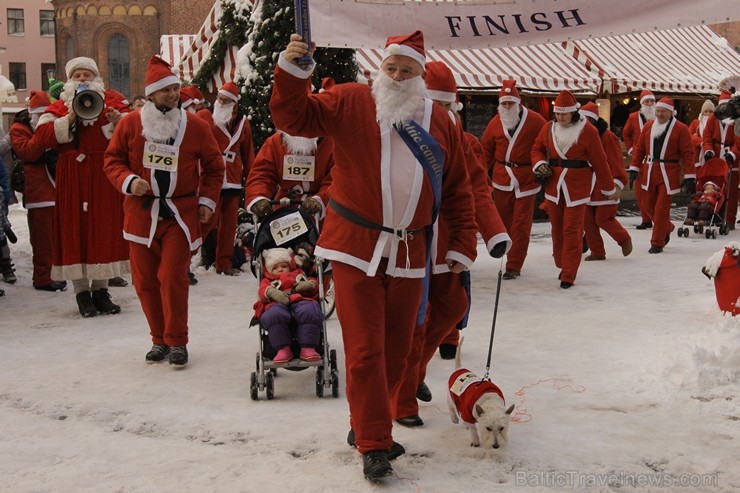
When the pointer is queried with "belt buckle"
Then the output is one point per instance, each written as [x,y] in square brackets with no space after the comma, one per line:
[403,234]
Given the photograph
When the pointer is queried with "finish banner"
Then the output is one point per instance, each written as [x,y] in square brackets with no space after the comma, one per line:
[459,24]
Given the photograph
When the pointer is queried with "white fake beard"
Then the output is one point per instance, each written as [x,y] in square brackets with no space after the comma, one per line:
[648,112]
[566,136]
[509,117]
[159,127]
[35,120]
[702,123]
[70,89]
[658,129]
[301,146]
[396,101]
[222,113]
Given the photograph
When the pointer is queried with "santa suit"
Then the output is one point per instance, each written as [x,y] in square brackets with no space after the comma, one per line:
[696,129]
[38,198]
[719,137]
[466,388]
[602,211]
[237,149]
[266,179]
[448,299]
[630,135]
[88,243]
[662,168]
[569,189]
[513,179]
[163,236]
[377,274]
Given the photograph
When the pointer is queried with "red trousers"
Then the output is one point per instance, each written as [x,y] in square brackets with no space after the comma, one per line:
[517,215]
[732,197]
[160,277]
[224,220]
[567,237]
[640,199]
[447,305]
[604,217]
[40,233]
[658,208]
[378,317]
[453,337]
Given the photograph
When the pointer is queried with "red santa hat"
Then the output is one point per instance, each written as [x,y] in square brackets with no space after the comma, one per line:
[410,45]
[230,90]
[326,84]
[116,95]
[186,96]
[440,82]
[158,75]
[646,94]
[509,93]
[590,110]
[710,183]
[666,103]
[566,103]
[81,62]
[38,102]
[724,97]
[274,256]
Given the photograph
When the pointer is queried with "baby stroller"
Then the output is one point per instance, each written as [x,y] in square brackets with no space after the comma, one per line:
[715,171]
[290,227]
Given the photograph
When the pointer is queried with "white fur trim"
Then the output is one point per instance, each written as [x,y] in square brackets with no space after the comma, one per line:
[589,114]
[108,130]
[566,109]
[661,104]
[396,49]
[34,111]
[227,94]
[448,97]
[294,69]
[161,84]
[62,131]
[81,62]
[649,96]
[509,99]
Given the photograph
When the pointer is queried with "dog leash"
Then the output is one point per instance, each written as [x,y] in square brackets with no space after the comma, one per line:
[493,324]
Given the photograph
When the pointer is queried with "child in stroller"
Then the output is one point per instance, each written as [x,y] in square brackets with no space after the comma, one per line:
[704,203]
[286,294]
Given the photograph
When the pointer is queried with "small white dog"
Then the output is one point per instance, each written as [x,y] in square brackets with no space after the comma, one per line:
[480,404]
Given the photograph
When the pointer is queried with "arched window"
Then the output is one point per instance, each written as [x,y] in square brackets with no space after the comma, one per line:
[69,51]
[119,74]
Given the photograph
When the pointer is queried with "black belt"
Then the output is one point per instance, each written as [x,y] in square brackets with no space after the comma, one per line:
[568,163]
[674,161]
[515,165]
[400,233]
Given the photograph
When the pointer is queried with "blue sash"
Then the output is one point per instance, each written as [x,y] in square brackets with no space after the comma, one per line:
[431,157]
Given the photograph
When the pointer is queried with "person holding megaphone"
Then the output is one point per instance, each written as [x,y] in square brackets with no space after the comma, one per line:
[89,247]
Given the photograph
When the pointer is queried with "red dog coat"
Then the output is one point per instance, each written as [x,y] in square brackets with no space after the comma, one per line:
[466,388]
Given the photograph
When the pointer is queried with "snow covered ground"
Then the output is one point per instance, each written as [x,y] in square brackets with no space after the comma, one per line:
[626,382]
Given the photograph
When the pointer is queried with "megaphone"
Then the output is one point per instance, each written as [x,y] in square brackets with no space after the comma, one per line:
[87,104]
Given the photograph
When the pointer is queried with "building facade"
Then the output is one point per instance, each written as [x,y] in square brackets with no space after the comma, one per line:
[122,36]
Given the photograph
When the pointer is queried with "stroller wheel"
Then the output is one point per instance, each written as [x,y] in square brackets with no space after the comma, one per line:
[680,232]
[696,228]
[320,381]
[253,387]
[701,229]
[714,234]
[334,383]
[329,305]
[333,359]
[270,385]
[708,233]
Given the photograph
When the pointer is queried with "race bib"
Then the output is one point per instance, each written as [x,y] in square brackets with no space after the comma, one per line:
[299,168]
[287,227]
[463,382]
[161,156]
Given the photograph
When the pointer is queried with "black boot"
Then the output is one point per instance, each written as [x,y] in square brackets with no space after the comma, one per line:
[6,265]
[375,465]
[179,355]
[102,302]
[85,304]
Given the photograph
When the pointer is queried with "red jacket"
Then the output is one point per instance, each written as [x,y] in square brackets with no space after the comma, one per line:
[466,388]
[236,146]
[613,150]
[284,281]
[632,129]
[720,138]
[40,191]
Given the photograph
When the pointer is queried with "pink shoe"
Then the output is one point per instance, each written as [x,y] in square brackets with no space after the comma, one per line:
[309,354]
[284,355]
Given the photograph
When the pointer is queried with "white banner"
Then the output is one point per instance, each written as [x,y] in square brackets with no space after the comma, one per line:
[450,24]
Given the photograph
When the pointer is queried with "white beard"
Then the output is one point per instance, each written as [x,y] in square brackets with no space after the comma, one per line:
[658,129]
[301,146]
[222,113]
[702,123]
[159,127]
[648,112]
[509,117]
[566,136]
[396,101]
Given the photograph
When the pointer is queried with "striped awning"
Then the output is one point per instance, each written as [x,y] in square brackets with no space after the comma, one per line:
[687,60]
[187,53]
[537,68]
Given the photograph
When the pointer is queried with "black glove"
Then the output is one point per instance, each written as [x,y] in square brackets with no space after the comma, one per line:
[261,208]
[689,184]
[633,177]
[542,173]
[708,155]
[499,249]
[311,205]
[729,157]
[10,235]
